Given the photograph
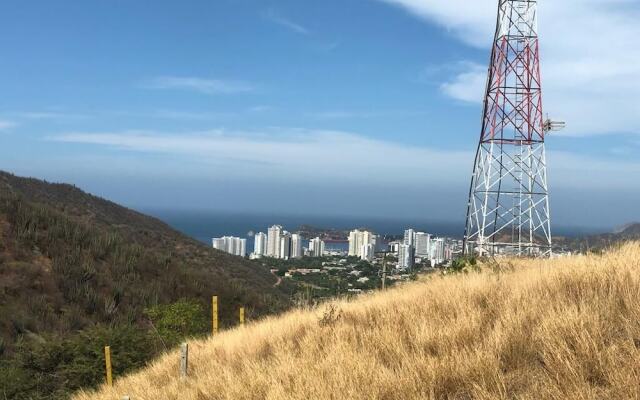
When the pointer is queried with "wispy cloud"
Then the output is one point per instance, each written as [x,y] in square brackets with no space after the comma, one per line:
[260,108]
[47,115]
[200,85]
[188,115]
[291,153]
[296,154]
[277,18]
[351,114]
[590,75]
[5,125]
[467,85]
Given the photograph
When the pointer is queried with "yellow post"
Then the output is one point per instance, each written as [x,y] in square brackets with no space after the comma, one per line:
[107,361]
[214,315]
[241,315]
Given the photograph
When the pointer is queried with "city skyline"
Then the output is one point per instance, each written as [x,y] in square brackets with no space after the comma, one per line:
[257,96]
[278,243]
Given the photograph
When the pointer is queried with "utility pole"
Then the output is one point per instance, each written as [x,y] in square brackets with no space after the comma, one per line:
[384,270]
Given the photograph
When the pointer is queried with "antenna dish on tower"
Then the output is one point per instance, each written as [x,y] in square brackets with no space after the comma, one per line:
[553,126]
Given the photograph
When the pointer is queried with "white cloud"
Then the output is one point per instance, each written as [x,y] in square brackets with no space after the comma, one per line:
[5,125]
[261,108]
[351,114]
[590,58]
[279,19]
[293,153]
[571,170]
[468,85]
[466,19]
[201,85]
[297,155]
[48,115]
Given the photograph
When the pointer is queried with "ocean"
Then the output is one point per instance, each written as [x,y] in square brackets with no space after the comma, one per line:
[205,225]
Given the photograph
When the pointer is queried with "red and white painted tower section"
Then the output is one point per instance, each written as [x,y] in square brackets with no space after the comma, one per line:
[508,210]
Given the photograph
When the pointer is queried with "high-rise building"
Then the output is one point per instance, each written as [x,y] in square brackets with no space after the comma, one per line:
[354,243]
[285,245]
[231,245]
[219,244]
[362,244]
[422,244]
[437,251]
[394,247]
[260,245]
[368,251]
[273,241]
[316,247]
[296,246]
[410,237]
[406,256]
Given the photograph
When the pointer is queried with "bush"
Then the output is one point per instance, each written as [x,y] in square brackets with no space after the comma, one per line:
[46,368]
[174,322]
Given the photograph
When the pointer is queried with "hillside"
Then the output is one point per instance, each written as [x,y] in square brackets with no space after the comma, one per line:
[78,271]
[533,329]
[629,232]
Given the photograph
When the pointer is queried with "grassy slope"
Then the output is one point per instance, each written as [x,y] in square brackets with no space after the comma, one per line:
[560,329]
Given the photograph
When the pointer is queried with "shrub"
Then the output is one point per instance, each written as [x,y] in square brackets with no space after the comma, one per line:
[179,320]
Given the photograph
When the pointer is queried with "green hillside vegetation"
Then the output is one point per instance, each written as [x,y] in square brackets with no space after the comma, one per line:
[78,272]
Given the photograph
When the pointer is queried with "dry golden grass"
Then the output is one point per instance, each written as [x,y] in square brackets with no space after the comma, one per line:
[554,329]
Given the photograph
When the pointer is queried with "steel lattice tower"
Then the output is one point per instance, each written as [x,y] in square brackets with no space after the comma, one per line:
[508,209]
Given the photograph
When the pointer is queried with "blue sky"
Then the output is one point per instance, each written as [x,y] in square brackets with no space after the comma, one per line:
[359,107]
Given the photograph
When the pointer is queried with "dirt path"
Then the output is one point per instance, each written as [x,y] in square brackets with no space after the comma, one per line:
[279,281]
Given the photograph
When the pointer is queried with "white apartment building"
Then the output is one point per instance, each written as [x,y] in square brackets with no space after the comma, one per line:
[354,242]
[259,245]
[368,251]
[316,247]
[394,247]
[422,244]
[285,245]
[274,237]
[362,244]
[219,244]
[296,246]
[410,237]
[437,251]
[406,256]
[231,245]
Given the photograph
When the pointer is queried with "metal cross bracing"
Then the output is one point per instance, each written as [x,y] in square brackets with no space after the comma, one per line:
[508,209]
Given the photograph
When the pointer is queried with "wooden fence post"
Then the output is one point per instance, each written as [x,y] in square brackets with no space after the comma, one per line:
[184,360]
[107,362]
[241,315]
[214,315]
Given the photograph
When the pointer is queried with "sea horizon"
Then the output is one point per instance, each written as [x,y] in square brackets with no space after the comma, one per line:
[203,225]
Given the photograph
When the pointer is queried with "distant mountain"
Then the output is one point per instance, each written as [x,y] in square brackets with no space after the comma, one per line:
[75,268]
[632,229]
[623,234]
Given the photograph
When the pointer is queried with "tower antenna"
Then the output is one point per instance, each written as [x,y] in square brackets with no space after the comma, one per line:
[508,208]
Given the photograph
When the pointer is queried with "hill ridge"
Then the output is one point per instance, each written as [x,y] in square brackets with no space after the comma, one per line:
[77,270]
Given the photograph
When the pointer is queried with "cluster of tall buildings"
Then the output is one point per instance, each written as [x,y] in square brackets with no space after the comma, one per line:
[278,243]
[316,247]
[419,245]
[362,244]
[232,245]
